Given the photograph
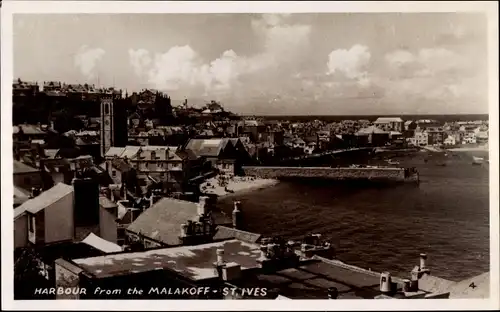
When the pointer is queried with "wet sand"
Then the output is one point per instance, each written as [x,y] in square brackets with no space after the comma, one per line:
[236,186]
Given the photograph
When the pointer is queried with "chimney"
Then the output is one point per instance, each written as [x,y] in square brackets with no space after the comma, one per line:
[333,293]
[415,275]
[237,215]
[34,192]
[202,205]
[423,265]
[231,271]
[423,258]
[124,191]
[385,282]
[406,285]
[220,256]
[184,231]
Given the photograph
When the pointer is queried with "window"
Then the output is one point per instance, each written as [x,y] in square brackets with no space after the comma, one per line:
[113,173]
[106,109]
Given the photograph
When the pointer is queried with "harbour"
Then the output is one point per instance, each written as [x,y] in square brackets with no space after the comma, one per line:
[376,226]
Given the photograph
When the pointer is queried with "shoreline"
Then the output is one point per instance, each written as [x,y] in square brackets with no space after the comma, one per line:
[238,186]
[469,149]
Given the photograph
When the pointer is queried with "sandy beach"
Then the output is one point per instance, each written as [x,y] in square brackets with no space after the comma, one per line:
[235,186]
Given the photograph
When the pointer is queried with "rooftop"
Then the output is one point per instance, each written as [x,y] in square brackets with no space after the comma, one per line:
[101,244]
[28,129]
[224,232]
[371,130]
[388,119]
[162,221]
[207,147]
[20,168]
[193,262]
[475,287]
[45,199]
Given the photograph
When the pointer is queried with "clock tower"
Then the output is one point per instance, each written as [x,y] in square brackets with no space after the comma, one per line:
[107,124]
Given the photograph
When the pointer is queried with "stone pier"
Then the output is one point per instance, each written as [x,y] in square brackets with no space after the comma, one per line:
[382,174]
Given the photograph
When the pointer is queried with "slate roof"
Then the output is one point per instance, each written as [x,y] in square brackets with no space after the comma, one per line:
[20,168]
[115,151]
[224,232]
[101,244]
[27,129]
[120,165]
[104,202]
[207,147]
[162,221]
[370,130]
[51,153]
[162,154]
[312,279]
[193,262]
[20,196]
[465,289]
[388,119]
[45,199]
[434,284]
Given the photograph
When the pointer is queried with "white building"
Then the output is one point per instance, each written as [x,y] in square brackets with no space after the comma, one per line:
[450,140]
[421,139]
[389,123]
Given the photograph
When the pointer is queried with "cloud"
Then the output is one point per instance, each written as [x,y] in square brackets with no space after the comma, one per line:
[86,60]
[432,75]
[182,68]
[139,59]
[428,62]
[352,63]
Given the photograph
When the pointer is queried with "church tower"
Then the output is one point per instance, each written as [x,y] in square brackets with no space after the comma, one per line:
[107,124]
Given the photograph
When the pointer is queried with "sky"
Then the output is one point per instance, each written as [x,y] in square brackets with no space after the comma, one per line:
[288,64]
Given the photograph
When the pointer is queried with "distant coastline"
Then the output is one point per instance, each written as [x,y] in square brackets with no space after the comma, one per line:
[441,118]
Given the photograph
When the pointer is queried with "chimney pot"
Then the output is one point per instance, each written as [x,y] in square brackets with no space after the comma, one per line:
[237,215]
[184,230]
[202,205]
[406,285]
[423,260]
[220,256]
[385,282]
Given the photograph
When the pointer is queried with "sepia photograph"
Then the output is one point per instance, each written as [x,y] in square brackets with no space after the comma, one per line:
[249,155]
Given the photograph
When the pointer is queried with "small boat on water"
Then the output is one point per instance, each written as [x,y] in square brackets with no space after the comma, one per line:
[477,160]
[392,162]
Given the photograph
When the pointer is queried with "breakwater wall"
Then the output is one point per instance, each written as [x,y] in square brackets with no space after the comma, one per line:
[375,174]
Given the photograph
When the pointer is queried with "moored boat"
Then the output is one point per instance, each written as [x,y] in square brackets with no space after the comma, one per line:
[477,160]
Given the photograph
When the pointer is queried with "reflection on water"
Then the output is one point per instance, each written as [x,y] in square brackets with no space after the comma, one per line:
[386,227]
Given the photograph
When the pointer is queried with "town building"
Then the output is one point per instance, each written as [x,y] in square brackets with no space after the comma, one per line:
[24,88]
[27,177]
[45,219]
[373,136]
[420,139]
[221,153]
[389,123]
[171,222]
